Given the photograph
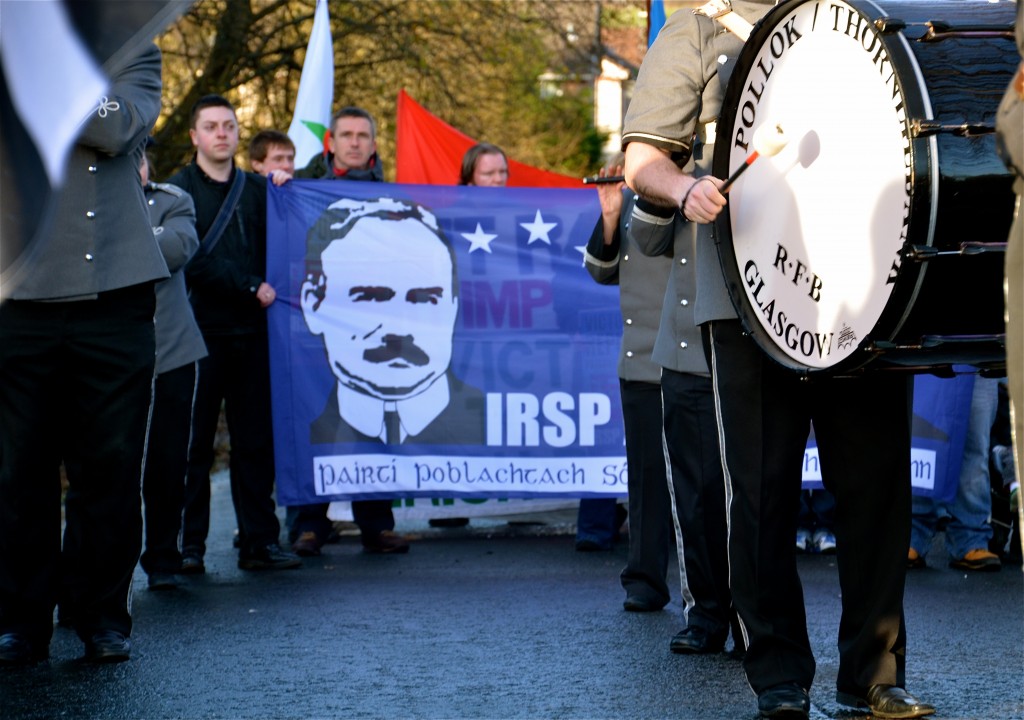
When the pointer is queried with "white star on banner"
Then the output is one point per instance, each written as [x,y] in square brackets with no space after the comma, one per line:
[538,229]
[478,239]
[582,250]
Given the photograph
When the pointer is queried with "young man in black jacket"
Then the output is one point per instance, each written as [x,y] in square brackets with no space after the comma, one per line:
[230,296]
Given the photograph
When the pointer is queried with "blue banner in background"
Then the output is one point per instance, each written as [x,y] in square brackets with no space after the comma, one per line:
[446,342]
[942,409]
[395,374]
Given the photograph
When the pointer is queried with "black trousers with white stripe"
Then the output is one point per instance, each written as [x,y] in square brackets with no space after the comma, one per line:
[862,426]
[650,514]
[698,498]
[163,485]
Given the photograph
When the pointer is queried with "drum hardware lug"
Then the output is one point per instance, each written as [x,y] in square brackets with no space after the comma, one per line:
[887,25]
[924,128]
[920,253]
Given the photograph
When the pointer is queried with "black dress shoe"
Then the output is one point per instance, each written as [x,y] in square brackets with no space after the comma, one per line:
[192,562]
[162,581]
[108,646]
[639,603]
[886,701]
[786,701]
[16,649]
[694,639]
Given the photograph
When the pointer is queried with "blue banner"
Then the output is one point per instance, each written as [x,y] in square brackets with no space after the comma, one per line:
[434,341]
[942,409]
[446,342]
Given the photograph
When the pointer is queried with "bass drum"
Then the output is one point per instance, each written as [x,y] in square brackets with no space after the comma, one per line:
[876,237]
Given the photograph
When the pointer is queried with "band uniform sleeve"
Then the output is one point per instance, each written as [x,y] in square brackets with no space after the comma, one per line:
[651,228]
[175,228]
[127,112]
[666,101]
[602,261]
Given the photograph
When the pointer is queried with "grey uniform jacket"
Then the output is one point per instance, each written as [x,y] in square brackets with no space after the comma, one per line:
[101,238]
[664,232]
[173,217]
[676,101]
[641,282]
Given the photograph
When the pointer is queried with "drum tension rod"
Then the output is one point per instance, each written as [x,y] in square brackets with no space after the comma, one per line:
[922,253]
[926,342]
[924,128]
[938,30]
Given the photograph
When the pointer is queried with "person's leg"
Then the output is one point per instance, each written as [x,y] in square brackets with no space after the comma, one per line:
[649,518]
[373,516]
[309,528]
[823,510]
[763,424]
[247,411]
[596,524]
[923,519]
[969,527]
[163,486]
[205,416]
[863,431]
[698,498]
[376,522]
[1014,288]
[31,393]
[110,353]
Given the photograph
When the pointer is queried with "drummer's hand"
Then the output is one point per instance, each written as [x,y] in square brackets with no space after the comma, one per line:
[703,200]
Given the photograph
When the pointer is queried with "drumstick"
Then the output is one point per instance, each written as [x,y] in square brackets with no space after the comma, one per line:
[606,180]
[769,139]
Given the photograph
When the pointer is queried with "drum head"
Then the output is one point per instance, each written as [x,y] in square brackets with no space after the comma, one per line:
[812,237]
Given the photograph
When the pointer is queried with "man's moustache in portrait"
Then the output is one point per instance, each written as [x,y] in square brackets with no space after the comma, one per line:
[397,347]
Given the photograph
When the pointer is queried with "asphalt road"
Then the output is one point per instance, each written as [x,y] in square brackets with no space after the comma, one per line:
[494,621]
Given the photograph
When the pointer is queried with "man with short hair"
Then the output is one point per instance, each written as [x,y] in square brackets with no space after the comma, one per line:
[271,150]
[229,296]
[351,155]
[351,149]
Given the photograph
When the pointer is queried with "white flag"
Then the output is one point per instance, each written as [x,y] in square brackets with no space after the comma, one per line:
[316,91]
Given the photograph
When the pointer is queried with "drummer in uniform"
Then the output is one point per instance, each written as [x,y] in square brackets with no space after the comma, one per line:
[764,411]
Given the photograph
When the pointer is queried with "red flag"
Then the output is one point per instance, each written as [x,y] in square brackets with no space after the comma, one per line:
[429,152]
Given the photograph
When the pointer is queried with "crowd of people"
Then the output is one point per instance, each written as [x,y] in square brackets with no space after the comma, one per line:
[715,431]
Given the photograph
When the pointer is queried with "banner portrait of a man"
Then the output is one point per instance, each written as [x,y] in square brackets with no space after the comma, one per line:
[440,342]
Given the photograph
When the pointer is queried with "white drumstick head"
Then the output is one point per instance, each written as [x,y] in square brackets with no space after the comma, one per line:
[769,139]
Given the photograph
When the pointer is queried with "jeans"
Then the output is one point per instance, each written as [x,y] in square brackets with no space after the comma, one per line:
[970,512]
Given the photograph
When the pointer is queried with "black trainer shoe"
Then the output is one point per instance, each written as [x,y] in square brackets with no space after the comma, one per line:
[271,557]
